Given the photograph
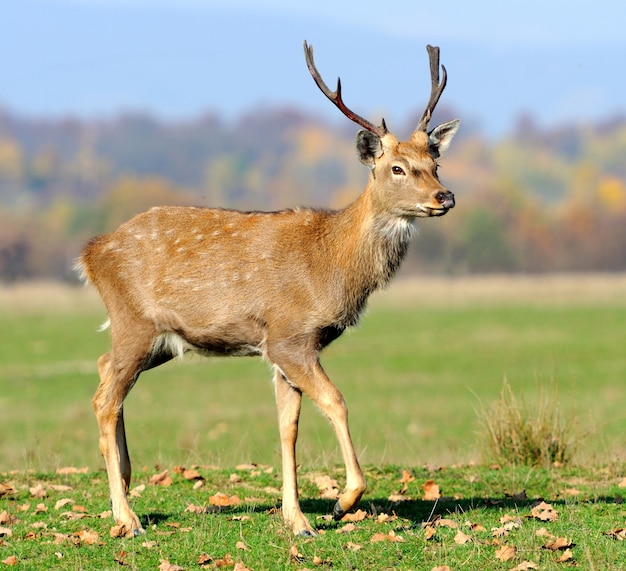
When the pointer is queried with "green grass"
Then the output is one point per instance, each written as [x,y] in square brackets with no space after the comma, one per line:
[414,374]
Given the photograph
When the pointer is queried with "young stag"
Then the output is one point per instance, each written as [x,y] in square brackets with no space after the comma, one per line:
[282,285]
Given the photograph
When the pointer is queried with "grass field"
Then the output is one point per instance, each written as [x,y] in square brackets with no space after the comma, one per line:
[427,355]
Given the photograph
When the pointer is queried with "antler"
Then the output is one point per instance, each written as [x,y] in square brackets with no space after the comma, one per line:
[436,88]
[335,96]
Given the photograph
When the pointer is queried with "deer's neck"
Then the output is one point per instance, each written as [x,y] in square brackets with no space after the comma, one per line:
[369,247]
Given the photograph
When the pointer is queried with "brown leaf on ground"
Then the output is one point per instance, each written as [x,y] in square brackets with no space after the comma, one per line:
[73,470]
[63,502]
[506,552]
[60,487]
[429,532]
[566,556]
[162,479]
[386,518]
[441,568]
[6,490]
[88,537]
[41,508]
[6,532]
[327,486]
[559,543]
[241,545]
[407,477]
[445,522]
[38,491]
[121,531]
[10,560]
[431,490]
[525,565]
[398,498]
[353,546]
[6,518]
[347,528]
[223,500]
[137,491]
[462,538]
[618,533]
[358,515]
[391,537]
[194,509]
[544,512]
[295,555]
[239,566]
[543,532]
[204,558]
[167,566]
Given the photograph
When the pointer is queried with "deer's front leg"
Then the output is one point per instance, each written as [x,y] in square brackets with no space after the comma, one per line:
[107,404]
[307,376]
[288,401]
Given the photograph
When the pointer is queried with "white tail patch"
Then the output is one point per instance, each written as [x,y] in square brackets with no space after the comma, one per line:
[104,326]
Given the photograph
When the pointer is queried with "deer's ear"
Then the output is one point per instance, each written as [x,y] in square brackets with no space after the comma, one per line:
[441,137]
[368,147]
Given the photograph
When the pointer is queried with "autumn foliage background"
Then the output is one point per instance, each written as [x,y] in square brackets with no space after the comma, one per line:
[538,200]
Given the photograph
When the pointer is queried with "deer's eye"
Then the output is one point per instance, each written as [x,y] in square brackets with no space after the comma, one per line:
[397,170]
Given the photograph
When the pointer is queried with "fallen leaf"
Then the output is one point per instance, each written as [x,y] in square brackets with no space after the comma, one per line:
[235,478]
[167,566]
[431,490]
[222,500]
[121,531]
[137,491]
[429,532]
[347,528]
[239,566]
[6,490]
[559,543]
[10,560]
[567,556]
[358,515]
[398,498]
[328,487]
[60,487]
[162,479]
[295,554]
[525,565]
[462,538]
[88,537]
[62,503]
[618,533]
[544,512]
[149,544]
[506,552]
[194,509]
[119,558]
[353,546]
[241,545]
[441,568]
[204,558]
[385,518]
[543,532]
[41,508]
[73,470]
[38,491]
[6,532]
[5,518]
[23,508]
[444,522]
[391,537]
[407,477]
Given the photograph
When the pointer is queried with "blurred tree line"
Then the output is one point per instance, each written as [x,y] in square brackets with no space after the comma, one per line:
[539,200]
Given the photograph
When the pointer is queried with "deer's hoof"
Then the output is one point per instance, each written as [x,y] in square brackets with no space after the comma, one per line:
[338,511]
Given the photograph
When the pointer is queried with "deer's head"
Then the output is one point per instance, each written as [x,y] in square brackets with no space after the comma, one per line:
[404,174]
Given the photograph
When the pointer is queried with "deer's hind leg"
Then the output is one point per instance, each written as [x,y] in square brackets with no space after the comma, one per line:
[119,370]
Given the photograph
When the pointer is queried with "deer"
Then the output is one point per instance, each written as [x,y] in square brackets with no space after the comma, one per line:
[281,285]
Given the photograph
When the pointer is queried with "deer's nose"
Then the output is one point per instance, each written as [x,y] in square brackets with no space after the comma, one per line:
[446,199]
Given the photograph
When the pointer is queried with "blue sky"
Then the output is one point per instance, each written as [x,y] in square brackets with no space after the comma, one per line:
[559,61]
